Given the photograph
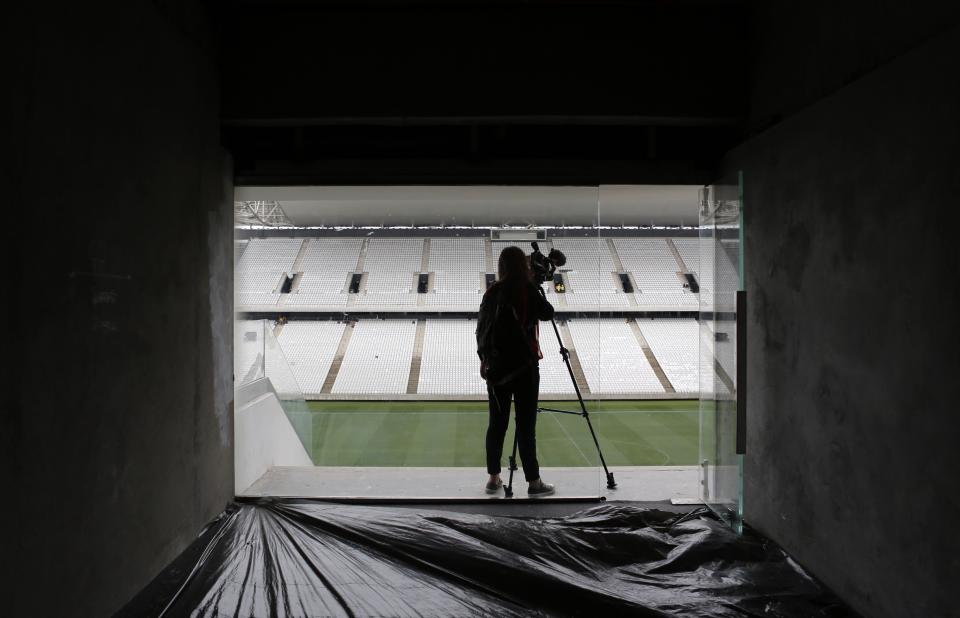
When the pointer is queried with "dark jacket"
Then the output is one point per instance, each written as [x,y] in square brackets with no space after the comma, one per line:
[507,328]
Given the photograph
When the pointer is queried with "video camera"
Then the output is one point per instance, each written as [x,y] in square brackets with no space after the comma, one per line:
[543,266]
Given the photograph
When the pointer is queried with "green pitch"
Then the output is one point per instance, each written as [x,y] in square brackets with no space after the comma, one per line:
[451,433]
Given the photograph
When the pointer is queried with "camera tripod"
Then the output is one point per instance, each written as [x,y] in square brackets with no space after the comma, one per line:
[565,353]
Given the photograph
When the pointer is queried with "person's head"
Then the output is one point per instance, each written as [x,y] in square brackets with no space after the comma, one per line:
[513,265]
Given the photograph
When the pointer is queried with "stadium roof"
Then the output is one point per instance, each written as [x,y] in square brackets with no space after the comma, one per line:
[483,206]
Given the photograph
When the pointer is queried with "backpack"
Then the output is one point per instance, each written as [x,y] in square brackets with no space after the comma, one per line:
[502,336]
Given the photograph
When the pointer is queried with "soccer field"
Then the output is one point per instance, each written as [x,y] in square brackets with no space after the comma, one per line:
[451,433]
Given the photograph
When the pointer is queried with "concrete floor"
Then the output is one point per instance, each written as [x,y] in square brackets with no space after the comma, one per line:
[635,484]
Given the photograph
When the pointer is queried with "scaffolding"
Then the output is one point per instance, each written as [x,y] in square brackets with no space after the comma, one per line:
[261,213]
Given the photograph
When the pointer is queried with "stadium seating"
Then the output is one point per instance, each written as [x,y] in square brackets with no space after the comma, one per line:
[248,350]
[317,299]
[256,287]
[458,264]
[309,347]
[674,343]
[497,247]
[652,264]
[667,302]
[611,357]
[392,264]
[262,267]
[719,264]
[327,264]
[238,247]
[689,250]
[655,271]
[554,378]
[270,254]
[469,301]
[378,358]
[449,363]
[592,300]
[373,301]
[589,267]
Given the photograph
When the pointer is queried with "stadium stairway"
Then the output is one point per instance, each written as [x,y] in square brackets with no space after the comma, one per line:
[651,357]
[337,360]
[425,257]
[488,255]
[295,272]
[414,379]
[614,255]
[352,298]
[631,298]
[424,268]
[574,359]
[724,377]
[676,255]
[362,258]
[297,277]
[296,262]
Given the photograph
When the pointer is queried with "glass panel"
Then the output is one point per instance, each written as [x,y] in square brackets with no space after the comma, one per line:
[570,368]
[257,355]
[648,333]
[248,351]
[277,369]
[720,280]
[371,319]
[565,447]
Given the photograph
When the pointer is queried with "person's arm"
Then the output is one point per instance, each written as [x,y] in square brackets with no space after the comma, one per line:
[484,322]
[544,309]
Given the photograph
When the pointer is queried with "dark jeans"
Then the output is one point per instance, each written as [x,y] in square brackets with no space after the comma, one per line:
[524,389]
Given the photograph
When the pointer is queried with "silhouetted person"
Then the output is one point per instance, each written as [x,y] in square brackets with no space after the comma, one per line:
[507,329]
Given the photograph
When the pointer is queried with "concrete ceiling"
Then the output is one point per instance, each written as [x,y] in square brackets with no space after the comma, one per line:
[483,206]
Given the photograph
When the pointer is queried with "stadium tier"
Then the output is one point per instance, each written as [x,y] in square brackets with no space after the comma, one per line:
[317,273]
[436,357]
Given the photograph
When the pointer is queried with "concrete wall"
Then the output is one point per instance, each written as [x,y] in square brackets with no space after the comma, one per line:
[802,51]
[851,270]
[117,428]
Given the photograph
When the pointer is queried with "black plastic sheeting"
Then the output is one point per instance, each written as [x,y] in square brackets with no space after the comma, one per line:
[297,558]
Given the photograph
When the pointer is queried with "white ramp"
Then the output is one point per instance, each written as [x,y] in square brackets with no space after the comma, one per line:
[263,435]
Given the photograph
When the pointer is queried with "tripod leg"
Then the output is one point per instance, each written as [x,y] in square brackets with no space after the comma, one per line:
[565,354]
[611,483]
[508,490]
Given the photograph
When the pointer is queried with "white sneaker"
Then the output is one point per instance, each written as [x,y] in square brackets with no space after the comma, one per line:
[493,488]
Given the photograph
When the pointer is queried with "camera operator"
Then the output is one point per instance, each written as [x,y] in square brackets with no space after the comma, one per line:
[509,350]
